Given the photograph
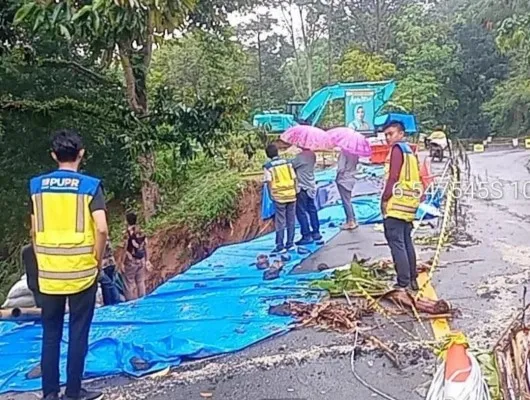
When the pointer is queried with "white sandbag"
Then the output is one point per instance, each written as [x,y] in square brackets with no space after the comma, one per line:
[99,297]
[20,302]
[19,289]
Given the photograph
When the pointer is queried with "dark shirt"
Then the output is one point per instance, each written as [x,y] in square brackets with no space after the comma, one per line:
[135,242]
[396,162]
[97,202]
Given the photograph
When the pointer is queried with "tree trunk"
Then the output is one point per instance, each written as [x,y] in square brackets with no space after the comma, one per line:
[135,80]
[260,67]
[150,190]
[330,43]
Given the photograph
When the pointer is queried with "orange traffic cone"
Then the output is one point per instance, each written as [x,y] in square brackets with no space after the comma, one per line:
[457,363]
[458,367]
[427,179]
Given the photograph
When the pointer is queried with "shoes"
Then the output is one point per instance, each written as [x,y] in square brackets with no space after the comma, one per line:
[290,247]
[349,226]
[397,286]
[317,237]
[414,285]
[304,241]
[86,395]
[51,396]
[279,250]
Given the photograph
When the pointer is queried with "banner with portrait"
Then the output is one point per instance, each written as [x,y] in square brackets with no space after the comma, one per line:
[360,109]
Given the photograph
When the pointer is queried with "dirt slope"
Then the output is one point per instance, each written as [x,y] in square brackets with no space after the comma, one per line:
[174,249]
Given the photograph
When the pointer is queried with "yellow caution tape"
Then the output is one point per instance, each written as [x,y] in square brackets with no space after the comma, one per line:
[457,338]
[444,233]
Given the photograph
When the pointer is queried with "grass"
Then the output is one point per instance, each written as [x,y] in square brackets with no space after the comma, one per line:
[209,194]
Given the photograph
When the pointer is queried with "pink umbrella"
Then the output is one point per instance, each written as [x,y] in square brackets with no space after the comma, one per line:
[307,137]
[350,141]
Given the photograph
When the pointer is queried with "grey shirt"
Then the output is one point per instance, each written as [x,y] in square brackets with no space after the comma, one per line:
[346,170]
[304,165]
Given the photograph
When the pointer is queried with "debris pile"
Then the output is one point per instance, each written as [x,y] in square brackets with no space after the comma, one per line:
[373,278]
[512,356]
[329,315]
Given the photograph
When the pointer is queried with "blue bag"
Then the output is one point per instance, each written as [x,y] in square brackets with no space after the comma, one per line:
[267,205]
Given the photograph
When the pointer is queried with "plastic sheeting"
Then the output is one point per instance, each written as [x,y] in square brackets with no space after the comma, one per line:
[219,305]
[408,121]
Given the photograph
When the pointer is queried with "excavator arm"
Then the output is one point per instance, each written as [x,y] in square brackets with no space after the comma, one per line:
[312,111]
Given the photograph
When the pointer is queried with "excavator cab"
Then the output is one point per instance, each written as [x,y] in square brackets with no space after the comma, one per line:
[293,108]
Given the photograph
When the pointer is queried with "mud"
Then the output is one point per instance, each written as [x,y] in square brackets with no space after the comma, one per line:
[174,249]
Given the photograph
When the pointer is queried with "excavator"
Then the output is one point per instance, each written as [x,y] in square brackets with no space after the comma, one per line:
[374,96]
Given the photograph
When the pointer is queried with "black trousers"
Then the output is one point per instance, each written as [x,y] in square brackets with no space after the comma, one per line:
[81,307]
[398,236]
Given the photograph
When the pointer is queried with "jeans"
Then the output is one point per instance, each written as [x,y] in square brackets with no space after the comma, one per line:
[398,236]
[109,290]
[284,217]
[305,206]
[81,307]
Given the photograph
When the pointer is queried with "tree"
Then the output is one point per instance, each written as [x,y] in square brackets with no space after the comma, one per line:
[310,17]
[267,51]
[508,110]
[127,30]
[198,64]
[482,67]
[357,65]
[424,56]
[368,23]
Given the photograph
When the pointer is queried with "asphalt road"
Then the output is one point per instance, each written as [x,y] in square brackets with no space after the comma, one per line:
[484,280]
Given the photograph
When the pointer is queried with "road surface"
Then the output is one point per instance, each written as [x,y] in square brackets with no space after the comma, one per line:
[483,280]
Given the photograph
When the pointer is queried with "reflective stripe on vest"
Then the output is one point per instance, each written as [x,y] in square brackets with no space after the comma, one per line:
[283,188]
[406,194]
[68,275]
[80,214]
[39,213]
[64,232]
[64,251]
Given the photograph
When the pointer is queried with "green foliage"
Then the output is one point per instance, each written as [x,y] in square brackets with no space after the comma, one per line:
[357,65]
[371,278]
[509,108]
[199,64]
[481,68]
[209,193]
[424,56]
[488,365]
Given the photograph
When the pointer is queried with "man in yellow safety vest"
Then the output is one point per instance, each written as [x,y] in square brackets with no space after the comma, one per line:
[69,230]
[280,177]
[400,201]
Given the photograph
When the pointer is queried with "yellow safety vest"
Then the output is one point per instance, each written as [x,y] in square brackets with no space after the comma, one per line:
[406,194]
[64,231]
[283,184]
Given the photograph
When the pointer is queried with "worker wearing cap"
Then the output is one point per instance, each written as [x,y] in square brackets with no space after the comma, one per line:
[69,229]
[399,204]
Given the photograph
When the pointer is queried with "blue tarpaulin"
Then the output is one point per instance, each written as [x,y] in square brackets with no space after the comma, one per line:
[219,305]
[408,121]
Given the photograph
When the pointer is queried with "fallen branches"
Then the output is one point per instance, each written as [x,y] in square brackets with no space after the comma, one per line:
[424,305]
[328,315]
